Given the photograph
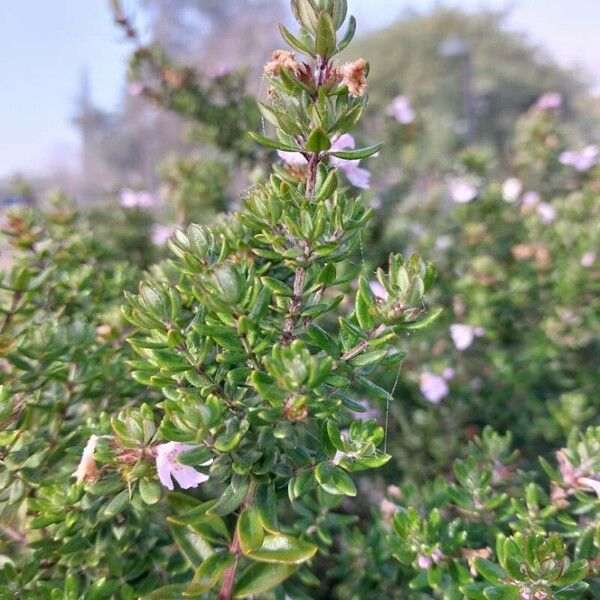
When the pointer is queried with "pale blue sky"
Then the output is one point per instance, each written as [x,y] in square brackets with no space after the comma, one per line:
[45,45]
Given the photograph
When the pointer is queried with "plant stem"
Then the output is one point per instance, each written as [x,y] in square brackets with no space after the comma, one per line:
[225,593]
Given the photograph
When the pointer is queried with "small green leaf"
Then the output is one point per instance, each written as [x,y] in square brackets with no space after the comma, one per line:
[150,491]
[325,38]
[489,571]
[249,530]
[358,153]
[260,578]
[209,573]
[334,480]
[318,141]
[269,143]
[283,549]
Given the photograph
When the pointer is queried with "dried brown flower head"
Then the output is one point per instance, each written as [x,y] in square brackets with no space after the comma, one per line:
[354,76]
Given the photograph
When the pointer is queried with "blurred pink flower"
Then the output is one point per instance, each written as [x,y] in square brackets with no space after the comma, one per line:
[356,175]
[448,373]
[547,212]
[511,189]
[549,101]
[424,562]
[131,199]
[581,160]
[443,242]
[378,290]
[161,234]
[136,88]
[433,387]
[402,110]
[168,467]
[462,191]
[463,335]
[530,199]
[86,469]
[588,259]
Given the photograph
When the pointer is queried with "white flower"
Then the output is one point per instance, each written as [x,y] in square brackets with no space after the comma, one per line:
[588,259]
[547,212]
[402,110]
[132,199]
[86,470]
[378,290]
[581,160]
[530,199]
[462,191]
[511,189]
[463,335]
[168,467]
[161,234]
[549,101]
[433,387]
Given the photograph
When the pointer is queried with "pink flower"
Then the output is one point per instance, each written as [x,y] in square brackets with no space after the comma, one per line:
[448,373]
[549,101]
[588,259]
[424,562]
[463,335]
[581,160]
[433,387]
[356,175]
[511,189]
[132,199]
[161,234]
[378,290]
[168,467]
[370,412]
[136,89]
[401,110]
[443,242]
[86,469]
[547,212]
[530,199]
[462,191]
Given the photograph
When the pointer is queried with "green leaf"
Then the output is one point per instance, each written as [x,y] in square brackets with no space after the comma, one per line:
[249,530]
[325,38]
[489,571]
[269,143]
[294,42]
[284,549]
[368,358]
[260,578]
[209,573]
[231,498]
[150,490]
[502,592]
[318,141]
[358,153]
[348,36]
[266,505]
[334,480]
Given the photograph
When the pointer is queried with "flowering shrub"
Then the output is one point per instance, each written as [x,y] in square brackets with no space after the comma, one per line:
[223,434]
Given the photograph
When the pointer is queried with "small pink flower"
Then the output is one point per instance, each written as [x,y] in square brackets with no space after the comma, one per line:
[402,110]
[356,175]
[161,234]
[168,467]
[448,373]
[581,160]
[132,199]
[370,412]
[136,89]
[433,387]
[511,189]
[437,555]
[549,101]
[463,335]
[462,191]
[424,562]
[378,290]
[588,259]
[86,469]
[530,200]
[443,242]
[547,212]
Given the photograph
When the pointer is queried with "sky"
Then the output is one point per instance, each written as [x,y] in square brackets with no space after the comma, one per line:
[45,46]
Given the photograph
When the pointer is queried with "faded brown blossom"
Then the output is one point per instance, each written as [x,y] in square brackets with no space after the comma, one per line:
[282,59]
[354,76]
[87,470]
[472,553]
